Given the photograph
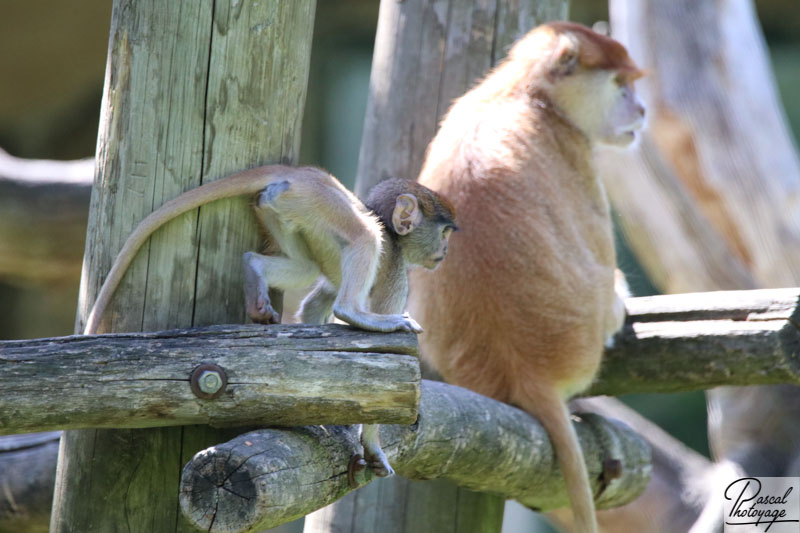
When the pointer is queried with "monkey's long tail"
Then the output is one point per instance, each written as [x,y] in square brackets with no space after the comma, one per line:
[555,417]
[245,182]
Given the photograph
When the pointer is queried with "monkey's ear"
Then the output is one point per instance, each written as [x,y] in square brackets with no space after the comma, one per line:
[406,215]
[565,56]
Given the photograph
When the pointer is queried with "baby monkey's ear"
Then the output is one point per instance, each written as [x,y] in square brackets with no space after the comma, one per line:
[406,215]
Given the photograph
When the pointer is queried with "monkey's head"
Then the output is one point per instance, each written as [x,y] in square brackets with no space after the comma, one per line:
[586,76]
[418,219]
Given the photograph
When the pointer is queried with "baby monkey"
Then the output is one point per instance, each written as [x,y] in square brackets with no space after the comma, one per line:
[357,255]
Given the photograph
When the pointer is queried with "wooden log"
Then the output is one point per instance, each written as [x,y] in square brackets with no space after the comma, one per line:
[697,341]
[27,472]
[43,211]
[268,477]
[277,375]
[193,92]
[335,374]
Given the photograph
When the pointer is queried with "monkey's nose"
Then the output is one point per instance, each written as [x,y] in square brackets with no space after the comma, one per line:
[640,109]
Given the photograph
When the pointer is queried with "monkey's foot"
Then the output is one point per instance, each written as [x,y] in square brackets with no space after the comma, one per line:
[378,463]
[256,293]
[376,322]
[263,313]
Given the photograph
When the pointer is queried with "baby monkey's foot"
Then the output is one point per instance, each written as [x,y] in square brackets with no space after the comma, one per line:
[256,293]
[377,462]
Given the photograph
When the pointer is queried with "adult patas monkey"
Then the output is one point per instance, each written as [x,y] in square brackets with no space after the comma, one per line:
[521,310]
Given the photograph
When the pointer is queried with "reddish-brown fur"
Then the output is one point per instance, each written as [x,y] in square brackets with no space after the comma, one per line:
[600,52]
[521,309]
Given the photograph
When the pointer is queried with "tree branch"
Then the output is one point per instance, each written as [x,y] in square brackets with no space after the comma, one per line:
[268,477]
[698,341]
[290,375]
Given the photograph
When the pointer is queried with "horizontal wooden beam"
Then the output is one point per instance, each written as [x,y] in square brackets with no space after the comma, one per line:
[277,375]
[335,374]
[268,477]
[685,342]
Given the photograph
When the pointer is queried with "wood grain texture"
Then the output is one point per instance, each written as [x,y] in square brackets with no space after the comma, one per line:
[193,92]
[276,375]
[268,477]
[427,53]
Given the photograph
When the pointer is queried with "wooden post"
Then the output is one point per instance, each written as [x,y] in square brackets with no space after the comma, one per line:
[427,52]
[193,91]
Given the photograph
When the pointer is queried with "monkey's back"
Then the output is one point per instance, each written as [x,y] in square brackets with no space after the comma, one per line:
[528,282]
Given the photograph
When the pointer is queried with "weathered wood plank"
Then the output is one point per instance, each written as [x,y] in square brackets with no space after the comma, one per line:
[277,375]
[267,477]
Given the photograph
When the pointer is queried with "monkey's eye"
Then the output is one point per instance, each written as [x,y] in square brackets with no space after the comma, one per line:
[448,230]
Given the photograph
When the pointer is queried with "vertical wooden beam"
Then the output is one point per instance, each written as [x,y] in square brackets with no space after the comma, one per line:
[427,53]
[193,91]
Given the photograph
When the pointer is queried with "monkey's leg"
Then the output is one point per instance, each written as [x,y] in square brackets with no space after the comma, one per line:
[264,271]
[373,454]
[317,306]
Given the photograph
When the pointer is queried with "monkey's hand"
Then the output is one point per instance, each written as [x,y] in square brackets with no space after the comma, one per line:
[616,318]
[378,463]
[376,322]
[256,294]
[373,454]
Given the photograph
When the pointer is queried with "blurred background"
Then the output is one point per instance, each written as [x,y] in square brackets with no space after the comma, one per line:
[51,81]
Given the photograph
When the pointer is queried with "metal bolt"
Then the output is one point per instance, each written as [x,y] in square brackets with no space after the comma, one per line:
[210,381]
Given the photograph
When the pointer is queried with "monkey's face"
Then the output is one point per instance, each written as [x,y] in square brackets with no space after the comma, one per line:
[427,245]
[601,105]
